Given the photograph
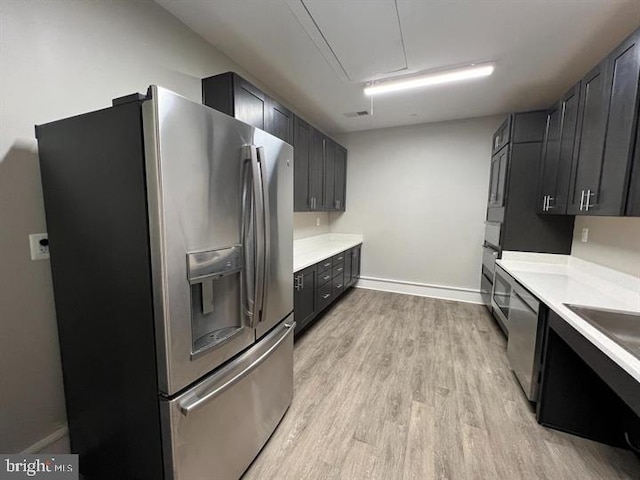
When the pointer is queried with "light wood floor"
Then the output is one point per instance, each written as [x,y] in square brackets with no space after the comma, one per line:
[390,386]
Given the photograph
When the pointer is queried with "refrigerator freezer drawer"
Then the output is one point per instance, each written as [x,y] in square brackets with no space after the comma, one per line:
[216,428]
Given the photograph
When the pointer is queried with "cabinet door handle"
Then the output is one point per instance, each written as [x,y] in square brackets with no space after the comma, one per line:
[339,286]
[327,264]
[326,295]
[544,203]
[581,200]
[549,200]
[340,259]
[339,269]
[326,277]
[587,200]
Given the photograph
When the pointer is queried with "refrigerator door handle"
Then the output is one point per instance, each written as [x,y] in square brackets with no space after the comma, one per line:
[267,225]
[235,372]
[253,237]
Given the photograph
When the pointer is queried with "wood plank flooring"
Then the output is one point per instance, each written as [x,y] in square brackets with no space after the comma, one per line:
[389,386]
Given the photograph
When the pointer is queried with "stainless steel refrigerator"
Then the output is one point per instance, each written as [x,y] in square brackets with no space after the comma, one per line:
[170,230]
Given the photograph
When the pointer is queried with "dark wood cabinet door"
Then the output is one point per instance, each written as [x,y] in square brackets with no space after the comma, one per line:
[301,151]
[355,264]
[250,103]
[347,268]
[557,155]
[589,147]
[624,74]
[304,296]
[329,174]
[498,178]
[316,170]
[340,178]
[550,158]
[280,121]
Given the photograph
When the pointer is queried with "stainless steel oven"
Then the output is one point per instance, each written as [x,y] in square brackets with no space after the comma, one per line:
[501,298]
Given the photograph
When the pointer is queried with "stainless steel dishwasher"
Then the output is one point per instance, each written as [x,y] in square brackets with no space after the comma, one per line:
[526,332]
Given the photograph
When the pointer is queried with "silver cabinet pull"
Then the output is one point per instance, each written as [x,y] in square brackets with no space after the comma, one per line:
[581,200]
[339,285]
[328,264]
[326,277]
[588,200]
[549,200]
[544,203]
[326,295]
[339,269]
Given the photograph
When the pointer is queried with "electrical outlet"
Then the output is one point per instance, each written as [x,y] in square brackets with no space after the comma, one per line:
[317,221]
[585,235]
[39,244]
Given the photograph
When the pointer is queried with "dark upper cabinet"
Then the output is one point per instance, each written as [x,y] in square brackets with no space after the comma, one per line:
[305,301]
[497,178]
[335,176]
[633,201]
[233,95]
[606,133]
[320,164]
[514,189]
[329,174]
[279,121]
[557,153]
[340,175]
[501,137]
[301,152]
[316,170]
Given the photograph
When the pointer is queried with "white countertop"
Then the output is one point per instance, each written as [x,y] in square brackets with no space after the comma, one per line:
[559,279]
[311,250]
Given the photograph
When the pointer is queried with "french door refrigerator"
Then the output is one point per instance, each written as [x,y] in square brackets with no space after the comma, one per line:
[170,230]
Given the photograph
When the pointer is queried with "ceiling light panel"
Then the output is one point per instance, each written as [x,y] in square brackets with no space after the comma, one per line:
[364,38]
[435,78]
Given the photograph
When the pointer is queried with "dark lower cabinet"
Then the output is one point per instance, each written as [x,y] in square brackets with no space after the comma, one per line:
[340,175]
[305,303]
[318,286]
[583,392]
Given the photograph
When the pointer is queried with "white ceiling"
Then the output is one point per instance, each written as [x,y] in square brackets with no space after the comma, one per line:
[315,55]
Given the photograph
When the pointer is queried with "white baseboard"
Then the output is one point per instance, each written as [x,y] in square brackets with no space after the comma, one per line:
[467,295]
[56,442]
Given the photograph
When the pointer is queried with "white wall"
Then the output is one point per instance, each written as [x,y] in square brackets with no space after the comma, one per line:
[418,194]
[58,59]
[305,224]
[612,241]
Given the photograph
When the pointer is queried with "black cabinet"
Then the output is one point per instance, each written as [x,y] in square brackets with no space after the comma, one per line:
[318,286]
[514,189]
[305,303]
[497,178]
[301,163]
[316,170]
[606,133]
[633,201]
[329,174]
[557,153]
[233,95]
[340,182]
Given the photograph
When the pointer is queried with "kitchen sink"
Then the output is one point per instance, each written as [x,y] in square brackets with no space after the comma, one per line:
[620,326]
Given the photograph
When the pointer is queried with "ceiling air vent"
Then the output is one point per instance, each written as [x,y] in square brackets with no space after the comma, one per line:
[361,113]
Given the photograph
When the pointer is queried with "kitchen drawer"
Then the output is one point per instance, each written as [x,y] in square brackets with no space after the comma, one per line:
[326,264]
[339,258]
[338,269]
[324,277]
[338,285]
[325,295]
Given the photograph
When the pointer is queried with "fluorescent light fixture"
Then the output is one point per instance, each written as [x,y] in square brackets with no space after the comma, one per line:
[436,78]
